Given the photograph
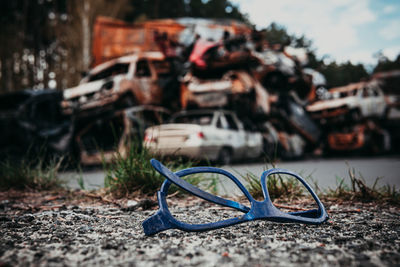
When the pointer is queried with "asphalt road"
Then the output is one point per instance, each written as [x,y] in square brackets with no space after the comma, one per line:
[324,171]
[328,172]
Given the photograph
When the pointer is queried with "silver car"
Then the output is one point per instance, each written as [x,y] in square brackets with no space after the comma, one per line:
[205,134]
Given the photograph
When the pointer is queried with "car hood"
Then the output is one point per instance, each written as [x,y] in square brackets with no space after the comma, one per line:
[90,87]
[329,104]
[83,89]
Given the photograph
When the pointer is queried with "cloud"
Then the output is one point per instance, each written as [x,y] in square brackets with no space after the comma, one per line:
[391,52]
[389,9]
[331,24]
[391,31]
[363,56]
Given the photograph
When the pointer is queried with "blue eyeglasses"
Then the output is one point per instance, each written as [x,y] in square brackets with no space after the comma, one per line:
[260,210]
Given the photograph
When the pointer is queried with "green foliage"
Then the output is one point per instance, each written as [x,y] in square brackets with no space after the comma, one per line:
[385,64]
[277,34]
[343,74]
[133,174]
[30,174]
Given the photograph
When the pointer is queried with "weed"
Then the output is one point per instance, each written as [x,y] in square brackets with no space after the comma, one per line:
[359,190]
[278,186]
[30,174]
[80,180]
[133,173]
[253,185]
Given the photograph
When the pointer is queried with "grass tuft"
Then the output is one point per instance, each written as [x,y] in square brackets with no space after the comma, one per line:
[133,174]
[278,187]
[31,174]
[359,190]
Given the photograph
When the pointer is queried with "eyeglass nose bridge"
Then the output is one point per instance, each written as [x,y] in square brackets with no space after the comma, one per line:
[262,210]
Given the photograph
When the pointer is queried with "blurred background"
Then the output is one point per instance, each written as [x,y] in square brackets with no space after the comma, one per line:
[312,79]
[47,44]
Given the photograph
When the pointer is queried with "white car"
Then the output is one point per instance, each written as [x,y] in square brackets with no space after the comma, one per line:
[359,100]
[206,134]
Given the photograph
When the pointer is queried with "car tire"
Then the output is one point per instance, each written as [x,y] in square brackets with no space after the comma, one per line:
[225,156]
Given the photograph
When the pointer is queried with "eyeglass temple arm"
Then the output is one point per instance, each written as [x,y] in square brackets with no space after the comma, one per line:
[174,178]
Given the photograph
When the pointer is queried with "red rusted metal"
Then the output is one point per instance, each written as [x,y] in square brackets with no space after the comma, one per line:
[114,38]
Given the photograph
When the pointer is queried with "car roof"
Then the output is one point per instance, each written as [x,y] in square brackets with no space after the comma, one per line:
[155,55]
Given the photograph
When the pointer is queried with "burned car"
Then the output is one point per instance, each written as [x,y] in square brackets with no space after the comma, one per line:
[352,102]
[280,71]
[114,132]
[365,136]
[33,121]
[235,88]
[137,79]
[289,132]
[279,142]
[205,134]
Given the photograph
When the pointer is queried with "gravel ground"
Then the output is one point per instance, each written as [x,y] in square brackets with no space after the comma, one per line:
[98,234]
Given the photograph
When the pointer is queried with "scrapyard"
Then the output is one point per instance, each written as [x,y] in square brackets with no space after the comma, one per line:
[142,73]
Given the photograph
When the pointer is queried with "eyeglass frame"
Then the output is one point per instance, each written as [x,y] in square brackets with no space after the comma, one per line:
[259,210]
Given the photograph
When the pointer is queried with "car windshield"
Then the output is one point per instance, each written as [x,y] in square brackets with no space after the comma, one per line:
[200,119]
[119,68]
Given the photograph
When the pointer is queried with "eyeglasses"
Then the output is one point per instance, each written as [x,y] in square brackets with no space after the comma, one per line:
[260,210]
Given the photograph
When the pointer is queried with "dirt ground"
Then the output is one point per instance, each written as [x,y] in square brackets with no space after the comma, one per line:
[61,229]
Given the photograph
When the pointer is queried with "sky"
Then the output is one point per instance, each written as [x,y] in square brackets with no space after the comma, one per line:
[341,30]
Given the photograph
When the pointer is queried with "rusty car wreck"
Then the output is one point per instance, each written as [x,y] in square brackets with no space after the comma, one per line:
[352,102]
[137,79]
[233,88]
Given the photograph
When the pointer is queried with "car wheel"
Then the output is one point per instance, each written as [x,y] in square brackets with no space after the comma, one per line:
[225,156]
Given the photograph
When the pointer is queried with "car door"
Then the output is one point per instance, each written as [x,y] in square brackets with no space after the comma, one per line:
[236,136]
[146,83]
[254,143]
[365,102]
[378,103]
